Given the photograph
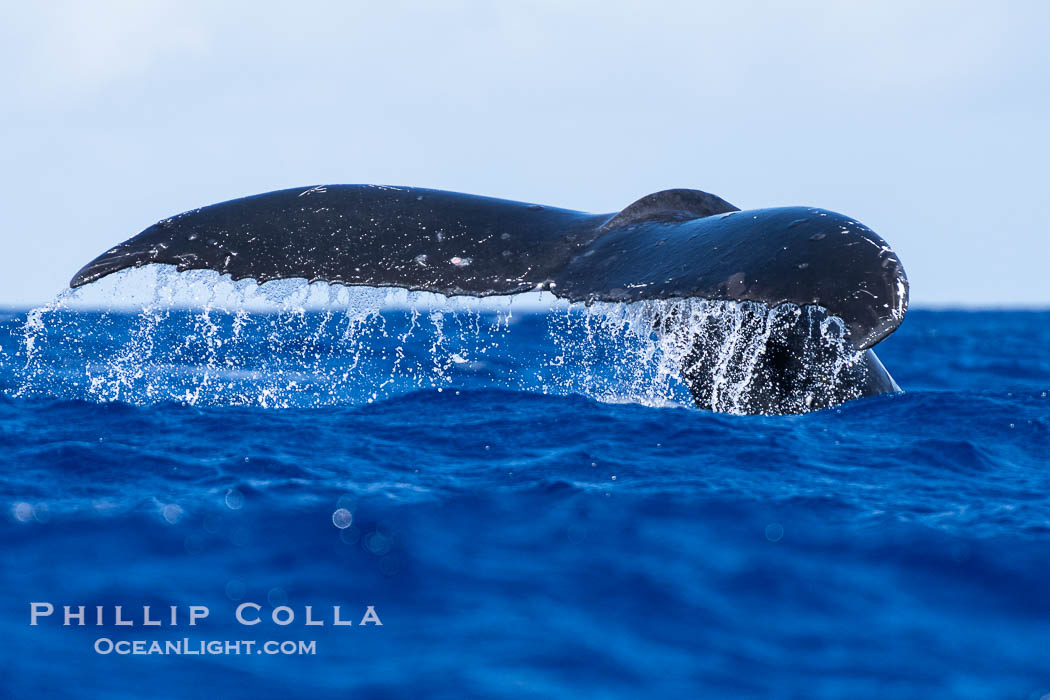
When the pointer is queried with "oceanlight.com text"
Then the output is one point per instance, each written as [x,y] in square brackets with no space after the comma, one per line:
[187,647]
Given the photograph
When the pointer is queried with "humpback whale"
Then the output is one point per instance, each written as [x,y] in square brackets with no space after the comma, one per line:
[807,265]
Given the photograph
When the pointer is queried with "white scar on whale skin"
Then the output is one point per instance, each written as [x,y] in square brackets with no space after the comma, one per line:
[342,352]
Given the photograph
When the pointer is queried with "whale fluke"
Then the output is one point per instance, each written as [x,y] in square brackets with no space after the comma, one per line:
[677,243]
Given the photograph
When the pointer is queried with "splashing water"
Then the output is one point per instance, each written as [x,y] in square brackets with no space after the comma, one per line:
[155,335]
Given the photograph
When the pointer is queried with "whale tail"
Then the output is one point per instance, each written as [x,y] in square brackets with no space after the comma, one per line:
[674,244]
[754,360]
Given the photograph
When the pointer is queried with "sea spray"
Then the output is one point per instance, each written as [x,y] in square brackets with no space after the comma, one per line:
[155,335]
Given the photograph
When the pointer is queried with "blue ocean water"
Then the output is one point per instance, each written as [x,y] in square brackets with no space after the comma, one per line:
[525,519]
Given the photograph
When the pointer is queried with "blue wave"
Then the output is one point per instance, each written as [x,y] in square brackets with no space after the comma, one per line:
[523,542]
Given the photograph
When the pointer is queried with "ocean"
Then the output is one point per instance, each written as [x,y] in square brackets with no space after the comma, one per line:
[528,504]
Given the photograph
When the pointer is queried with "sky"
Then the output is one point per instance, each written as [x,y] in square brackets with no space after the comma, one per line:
[926,121]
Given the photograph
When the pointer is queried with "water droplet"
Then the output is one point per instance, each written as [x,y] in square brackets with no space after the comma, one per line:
[350,535]
[377,543]
[342,518]
[277,597]
[234,499]
[235,589]
[172,513]
[774,532]
[23,512]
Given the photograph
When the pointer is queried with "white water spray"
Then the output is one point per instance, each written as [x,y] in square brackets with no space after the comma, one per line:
[153,334]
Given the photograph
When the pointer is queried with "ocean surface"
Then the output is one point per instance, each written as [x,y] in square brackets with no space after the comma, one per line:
[531,509]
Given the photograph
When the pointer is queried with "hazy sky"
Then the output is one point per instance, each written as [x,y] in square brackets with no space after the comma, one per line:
[928,121]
